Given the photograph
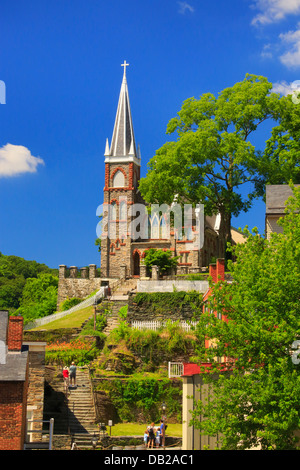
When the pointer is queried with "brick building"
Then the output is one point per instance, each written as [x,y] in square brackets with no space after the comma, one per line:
[22,371]
[14,373]
[276,198]
[120,247]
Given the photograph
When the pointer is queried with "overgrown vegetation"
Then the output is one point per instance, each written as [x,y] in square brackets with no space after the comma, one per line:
[80,351]
[168,302]
[143,397]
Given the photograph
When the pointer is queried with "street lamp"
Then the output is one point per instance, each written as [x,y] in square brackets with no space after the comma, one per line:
[110,424]
[94,441]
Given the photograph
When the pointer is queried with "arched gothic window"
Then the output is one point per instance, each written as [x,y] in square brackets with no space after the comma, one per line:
[155,227]
[118,180]
[163,228]
[113,211]
[123,210]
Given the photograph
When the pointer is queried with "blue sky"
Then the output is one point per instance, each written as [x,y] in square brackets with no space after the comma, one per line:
[60,63]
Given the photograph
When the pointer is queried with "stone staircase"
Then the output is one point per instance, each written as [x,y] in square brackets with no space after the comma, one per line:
[76,414]
[122,290]
[118,299]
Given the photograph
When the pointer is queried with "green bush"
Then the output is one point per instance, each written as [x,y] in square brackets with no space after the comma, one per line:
[69,303]
[136,396]
[164,259]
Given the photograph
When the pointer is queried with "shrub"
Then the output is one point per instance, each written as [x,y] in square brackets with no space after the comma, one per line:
[164,259]
[69,303]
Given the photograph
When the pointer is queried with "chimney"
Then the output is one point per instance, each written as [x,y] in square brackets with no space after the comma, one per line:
[220,269]
[15,333]
[213,272]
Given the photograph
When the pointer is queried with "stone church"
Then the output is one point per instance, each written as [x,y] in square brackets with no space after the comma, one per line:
[122,253]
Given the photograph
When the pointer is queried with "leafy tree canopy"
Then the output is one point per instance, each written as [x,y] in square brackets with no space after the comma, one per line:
[213,156]
[257,403]
[13,274]
[39,297]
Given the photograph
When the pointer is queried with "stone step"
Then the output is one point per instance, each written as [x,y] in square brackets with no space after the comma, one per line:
[77,413]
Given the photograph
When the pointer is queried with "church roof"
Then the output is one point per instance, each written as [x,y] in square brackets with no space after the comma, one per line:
[123,141]
[276,197]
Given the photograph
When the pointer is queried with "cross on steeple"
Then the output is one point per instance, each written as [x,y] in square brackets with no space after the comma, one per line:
[124,65]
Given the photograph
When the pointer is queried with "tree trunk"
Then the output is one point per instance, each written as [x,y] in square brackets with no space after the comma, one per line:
[225,235]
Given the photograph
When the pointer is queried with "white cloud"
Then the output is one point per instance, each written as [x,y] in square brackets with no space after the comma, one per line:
[283,88]
[16,159]
[291,58]
[274,10]
[184,6]
[267,52]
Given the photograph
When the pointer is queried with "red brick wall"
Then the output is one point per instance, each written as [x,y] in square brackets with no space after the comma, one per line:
[12,415]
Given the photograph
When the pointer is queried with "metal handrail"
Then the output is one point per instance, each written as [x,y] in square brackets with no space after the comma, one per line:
[51,428]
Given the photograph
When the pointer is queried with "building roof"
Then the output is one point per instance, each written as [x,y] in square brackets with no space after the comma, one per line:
[190,368]
[13,364]
[123,140]
[276,197]
[15,367]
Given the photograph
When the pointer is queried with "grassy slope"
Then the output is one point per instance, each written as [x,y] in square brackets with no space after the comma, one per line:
[73,320]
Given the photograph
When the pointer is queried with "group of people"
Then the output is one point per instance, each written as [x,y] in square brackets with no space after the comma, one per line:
[154,435]
[69,374]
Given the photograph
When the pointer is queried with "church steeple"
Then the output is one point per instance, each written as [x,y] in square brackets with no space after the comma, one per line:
[123,147]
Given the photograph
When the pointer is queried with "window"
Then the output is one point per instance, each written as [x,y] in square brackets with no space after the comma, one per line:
[118,180]
[163,228]
[123,210]
[154,227]
[113,211]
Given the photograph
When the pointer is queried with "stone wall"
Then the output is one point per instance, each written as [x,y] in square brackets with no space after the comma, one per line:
[35,395]
[74,282]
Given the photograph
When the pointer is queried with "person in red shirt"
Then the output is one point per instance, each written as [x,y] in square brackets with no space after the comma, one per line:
[66,378]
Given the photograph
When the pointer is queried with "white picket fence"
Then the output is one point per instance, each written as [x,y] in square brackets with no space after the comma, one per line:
[156,325]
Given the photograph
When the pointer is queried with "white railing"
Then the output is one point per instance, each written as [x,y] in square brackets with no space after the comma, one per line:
[156,325]
[55,316]
[175,369]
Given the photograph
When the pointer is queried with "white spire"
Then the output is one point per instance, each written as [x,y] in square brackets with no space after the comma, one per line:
[106,153]
[123,141]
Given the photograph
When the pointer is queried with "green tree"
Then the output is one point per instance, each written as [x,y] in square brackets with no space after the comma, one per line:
[39,297]
[13,274]
[281,156]
[213,157]
[161,258]
[257,401]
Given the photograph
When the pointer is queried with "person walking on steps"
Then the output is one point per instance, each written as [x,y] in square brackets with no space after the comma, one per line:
[66,378]
[72,375]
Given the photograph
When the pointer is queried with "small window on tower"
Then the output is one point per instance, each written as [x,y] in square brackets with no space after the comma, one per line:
[118,180]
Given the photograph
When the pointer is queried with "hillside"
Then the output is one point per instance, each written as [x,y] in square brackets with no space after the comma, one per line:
[14,272]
